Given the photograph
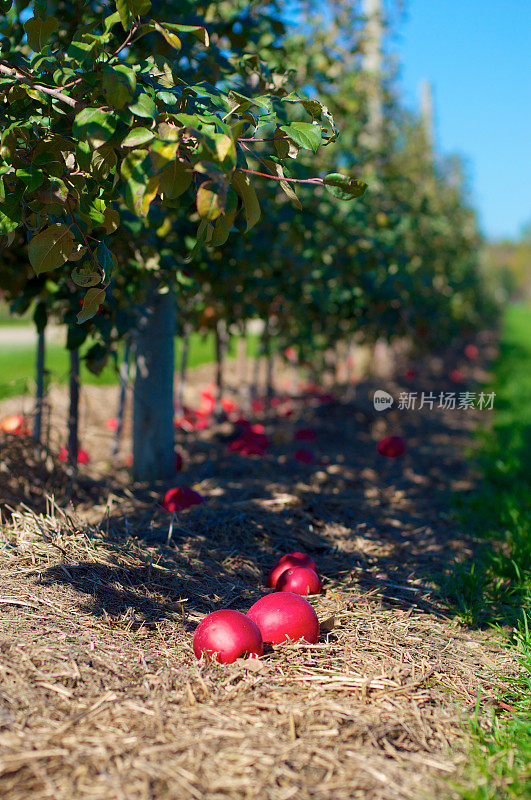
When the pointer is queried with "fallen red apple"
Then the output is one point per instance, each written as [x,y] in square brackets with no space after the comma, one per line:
[228,406]
[302,557]
[300,580]
[181,497]
[282,566]
[290,353]
[391,447]
[15,424]
[82,455]
[252,442]
[471,351]
[306,435]
[304,456]
[285,615]
[227,635]
[456,376]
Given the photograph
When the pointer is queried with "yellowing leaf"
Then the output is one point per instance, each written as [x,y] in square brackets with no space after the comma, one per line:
[91,302]
[50,248]
[172,39]
[251,207]
[225,147]
[210,201]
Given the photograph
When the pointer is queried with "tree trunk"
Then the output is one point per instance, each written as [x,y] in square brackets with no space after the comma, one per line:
[39,392]
[153,447]
[185,340]
[256,368]
[221,341]
[269,365]
[243,384]
[73,414]
[124,382]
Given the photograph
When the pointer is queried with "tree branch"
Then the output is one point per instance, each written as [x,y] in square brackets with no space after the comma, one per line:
[315,181]
[11,72]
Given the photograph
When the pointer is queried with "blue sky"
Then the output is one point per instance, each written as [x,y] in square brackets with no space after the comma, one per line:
[477,55]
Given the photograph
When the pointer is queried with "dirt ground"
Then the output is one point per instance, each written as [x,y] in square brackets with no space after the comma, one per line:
[101,697]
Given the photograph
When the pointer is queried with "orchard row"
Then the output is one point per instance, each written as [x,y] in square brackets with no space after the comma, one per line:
[205,166]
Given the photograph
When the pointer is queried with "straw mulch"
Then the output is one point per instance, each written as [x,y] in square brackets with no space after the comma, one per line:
[101,697]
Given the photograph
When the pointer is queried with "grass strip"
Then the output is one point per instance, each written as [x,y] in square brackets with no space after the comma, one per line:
[17,363]
[494,588]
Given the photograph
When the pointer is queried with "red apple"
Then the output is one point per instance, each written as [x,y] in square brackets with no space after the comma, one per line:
[15,424]
[284,615]
[456,376]
[302,557]
[471,351]
[227,635]
[279,568]
[82,455]
[300,580]
[391,447]
[304,456]
[306,435]
[180,498]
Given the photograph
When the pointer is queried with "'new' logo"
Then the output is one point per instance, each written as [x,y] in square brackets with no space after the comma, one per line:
[382,400]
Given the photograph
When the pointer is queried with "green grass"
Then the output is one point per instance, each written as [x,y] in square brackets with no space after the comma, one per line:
[494,588]
[6,318]
[17,364]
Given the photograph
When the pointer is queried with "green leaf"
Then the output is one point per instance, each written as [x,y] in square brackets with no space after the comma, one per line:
[119,84]
[78,252]
[50,248]
[111,21]
[197,30]
[168,98]
[82,52]
[105,258]
[137,137]
[136,172]
[10,214]
[129,9]
[343,187]
[276,169]
[175,179]
[31,176]
[39,31]
[144,106]
[96,125]
[222,227]
[111,220]
[304,134]
[91,303]
[210,201]
[103,162]
[242,184]
[86,275]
